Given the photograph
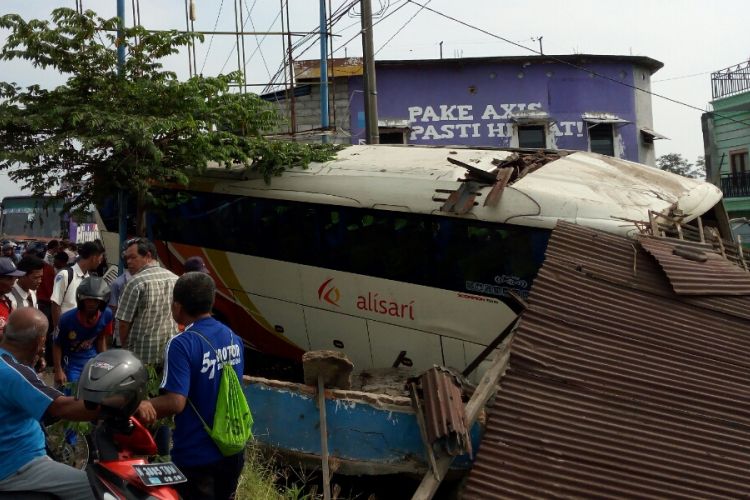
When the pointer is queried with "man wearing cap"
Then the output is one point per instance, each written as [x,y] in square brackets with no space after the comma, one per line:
[9,251]
[23,293]
[8,276]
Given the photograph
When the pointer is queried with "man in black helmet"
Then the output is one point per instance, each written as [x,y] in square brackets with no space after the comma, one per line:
[83,331]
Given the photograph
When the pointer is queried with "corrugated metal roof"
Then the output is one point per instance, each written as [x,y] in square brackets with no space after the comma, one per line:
[445,417]
[712,274]
[618,387]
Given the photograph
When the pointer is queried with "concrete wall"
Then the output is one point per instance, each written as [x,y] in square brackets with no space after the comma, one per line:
[307,108]
[473,103]
[728,134]
[724,133]
[644,114]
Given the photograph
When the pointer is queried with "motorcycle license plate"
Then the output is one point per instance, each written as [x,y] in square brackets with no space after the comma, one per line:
[159,474]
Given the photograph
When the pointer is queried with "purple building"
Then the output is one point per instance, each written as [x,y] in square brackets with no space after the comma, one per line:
[582,102]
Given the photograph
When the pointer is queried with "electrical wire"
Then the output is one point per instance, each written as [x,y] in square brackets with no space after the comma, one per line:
[573,65]
[401,28]
[261,42]
[234,47]
[211,40]
[682,77]
[312,37]
[406,2]
[258,41]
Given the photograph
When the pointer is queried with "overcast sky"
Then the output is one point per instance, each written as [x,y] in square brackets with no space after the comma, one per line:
[691,37]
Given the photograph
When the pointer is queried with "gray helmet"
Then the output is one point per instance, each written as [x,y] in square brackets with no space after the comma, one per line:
[114,379]
[93,287]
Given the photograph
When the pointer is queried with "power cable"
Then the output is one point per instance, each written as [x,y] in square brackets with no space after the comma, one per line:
[401,28]
[259,42]
[682,77]
[242,28]
[374,24]
[573,65]
[262,40]
[313,35]
[211,40]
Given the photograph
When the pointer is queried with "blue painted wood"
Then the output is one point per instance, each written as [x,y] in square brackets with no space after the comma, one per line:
[288,421]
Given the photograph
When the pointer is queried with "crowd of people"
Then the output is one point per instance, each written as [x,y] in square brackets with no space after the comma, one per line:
[59,309]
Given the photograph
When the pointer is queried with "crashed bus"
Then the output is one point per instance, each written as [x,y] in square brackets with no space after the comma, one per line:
[401,253]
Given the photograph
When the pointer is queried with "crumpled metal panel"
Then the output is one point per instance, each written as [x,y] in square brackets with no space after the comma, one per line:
[445,417]
[693,269]
[617,386]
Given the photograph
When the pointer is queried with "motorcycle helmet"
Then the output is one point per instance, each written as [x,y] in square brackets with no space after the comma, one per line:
[93,287]
[114,379]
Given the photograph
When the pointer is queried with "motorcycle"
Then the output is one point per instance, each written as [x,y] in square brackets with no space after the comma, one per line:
[114,382]
[118,464]
[118,446]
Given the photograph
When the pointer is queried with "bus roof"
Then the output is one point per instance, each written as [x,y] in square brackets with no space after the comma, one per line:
[580,187]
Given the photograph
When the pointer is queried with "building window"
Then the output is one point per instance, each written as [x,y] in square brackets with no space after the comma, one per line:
[532,136]
[738,161]
[602,139]
[390,135]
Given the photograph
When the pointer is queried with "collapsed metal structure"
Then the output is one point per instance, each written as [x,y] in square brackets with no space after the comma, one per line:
[627,375]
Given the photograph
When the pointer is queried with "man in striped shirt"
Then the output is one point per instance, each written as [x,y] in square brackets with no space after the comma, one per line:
[144,312]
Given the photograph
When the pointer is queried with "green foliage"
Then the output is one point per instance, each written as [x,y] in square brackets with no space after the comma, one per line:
[106,129]
[675,163]
[262,479]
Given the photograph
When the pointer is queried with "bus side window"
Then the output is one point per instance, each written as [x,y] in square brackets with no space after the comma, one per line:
[333,232]
[364,239]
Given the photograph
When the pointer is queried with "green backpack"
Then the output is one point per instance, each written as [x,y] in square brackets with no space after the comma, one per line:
[232,419]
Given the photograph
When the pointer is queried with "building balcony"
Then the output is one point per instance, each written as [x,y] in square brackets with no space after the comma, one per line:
[731,81]
[735,185]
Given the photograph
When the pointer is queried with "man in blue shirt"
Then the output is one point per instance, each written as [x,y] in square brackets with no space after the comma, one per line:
[192,369]
[24,401]
[83,331]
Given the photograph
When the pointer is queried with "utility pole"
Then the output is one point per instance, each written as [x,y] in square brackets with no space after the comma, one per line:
[293,112]
[323,70]
[122,200]
[371,90]
[441,49]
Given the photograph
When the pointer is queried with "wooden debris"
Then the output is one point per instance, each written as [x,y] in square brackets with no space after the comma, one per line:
[333,366]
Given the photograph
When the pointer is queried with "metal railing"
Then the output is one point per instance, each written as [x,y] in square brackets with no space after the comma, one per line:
[730,81]
[735,185]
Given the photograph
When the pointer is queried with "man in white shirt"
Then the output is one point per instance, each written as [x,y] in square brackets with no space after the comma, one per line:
[67,280]
[23,293]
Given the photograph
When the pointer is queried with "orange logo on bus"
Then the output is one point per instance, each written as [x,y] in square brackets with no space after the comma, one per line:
[329,293]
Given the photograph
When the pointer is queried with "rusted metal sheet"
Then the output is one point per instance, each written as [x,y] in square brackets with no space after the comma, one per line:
[694,269]
[445,417]
[462,200]
[493,197]
[337,67]
[618,386]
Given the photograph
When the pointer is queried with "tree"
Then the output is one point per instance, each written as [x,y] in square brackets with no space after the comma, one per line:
[105,130]
[675,163]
